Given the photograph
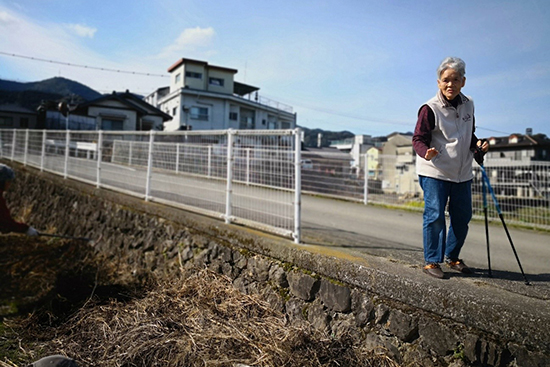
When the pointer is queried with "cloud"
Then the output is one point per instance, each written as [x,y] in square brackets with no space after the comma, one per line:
[190,40]
[52,41]
[82,30]
[6,18]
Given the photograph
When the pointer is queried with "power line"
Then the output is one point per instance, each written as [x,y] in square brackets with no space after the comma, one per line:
[82,66]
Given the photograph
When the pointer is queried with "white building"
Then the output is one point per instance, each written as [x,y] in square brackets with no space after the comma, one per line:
[206,97]
[358,147]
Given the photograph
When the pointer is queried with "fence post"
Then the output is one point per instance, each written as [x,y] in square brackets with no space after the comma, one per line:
[13,144]
[26,147]
[298,184]
[130,152]
[229,188]
[67,148]
[247,166]
[209,161]
[43,153]
[177,157]
[366,179]
[149,165]
[99,152]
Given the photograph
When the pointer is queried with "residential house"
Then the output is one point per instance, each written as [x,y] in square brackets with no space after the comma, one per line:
[207,97]
[122,111]
[521,159]
[16,117]
[518,148]
[373,162]
[324,170]
[398,165]
[358,146]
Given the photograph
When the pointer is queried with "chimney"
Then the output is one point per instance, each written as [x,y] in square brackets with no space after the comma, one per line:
[529,131]
[319,139]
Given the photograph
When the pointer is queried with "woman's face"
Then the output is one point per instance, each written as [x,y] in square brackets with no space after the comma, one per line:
[450,83]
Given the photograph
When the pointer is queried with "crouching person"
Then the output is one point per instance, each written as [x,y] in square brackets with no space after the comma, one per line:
[7,223]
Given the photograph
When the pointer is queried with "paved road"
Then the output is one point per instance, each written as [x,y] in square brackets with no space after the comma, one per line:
[397,234]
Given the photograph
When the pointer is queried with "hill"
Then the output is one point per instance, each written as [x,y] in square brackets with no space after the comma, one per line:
[310,136]
[57,85]
[30,95]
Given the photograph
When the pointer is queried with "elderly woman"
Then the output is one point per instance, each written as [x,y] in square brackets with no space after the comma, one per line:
[445,142]
[7,224]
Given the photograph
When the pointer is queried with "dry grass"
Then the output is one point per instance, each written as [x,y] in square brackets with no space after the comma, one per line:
[195,319]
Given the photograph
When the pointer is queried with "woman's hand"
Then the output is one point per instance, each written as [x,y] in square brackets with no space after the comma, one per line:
[431,153]
[484,144]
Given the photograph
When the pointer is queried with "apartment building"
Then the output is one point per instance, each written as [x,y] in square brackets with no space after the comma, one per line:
[207,97]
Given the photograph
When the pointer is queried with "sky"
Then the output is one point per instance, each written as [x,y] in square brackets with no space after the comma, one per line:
[359,65]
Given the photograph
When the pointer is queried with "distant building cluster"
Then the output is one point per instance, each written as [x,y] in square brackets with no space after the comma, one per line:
[389,162]
[200,97]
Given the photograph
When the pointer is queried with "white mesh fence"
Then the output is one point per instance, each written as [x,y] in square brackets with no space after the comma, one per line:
[522,189]
[241,176]
[261,185]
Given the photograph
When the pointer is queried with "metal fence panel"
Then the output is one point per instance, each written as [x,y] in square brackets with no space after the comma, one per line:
[54,151]
[124,159]
[241,176]
[521,189]
[256,177]
[189,169]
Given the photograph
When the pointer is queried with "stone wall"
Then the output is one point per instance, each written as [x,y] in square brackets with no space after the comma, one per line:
[337,295]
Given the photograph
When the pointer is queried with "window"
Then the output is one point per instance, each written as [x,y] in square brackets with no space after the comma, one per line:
[6,121]
[110,124]
[234,116]
[192,74]
[24,122]
[174,111]
[216,81]
[199,113]
[178,78]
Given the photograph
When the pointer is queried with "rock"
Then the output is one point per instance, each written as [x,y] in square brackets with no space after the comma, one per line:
[294,309]
[382,345]
[259,267]
[343,325]
[403,325]
[317,316]
[437,336]
[364,310]
[303,286]
[381,313]
[335,297]
[277,275]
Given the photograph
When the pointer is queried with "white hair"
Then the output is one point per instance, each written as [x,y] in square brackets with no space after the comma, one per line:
[454,63]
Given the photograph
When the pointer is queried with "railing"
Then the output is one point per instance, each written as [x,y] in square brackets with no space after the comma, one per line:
[248,177]
[522,189]
[256,177]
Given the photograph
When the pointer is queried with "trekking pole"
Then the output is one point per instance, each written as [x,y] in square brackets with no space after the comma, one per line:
[503,222]
[484,195]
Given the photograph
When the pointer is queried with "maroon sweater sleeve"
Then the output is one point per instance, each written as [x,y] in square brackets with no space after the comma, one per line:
[422,136]
[423,131]
[7,224]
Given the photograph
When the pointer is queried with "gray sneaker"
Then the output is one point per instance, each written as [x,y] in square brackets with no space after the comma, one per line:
[434,270]
[459,266]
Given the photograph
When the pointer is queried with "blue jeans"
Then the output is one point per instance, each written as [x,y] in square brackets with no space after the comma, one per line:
[437,245]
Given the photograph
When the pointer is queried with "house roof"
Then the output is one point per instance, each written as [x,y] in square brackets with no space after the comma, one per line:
[326,153]
[130,100]
[199,62]
[15,108]
[242,89]
[521,141]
